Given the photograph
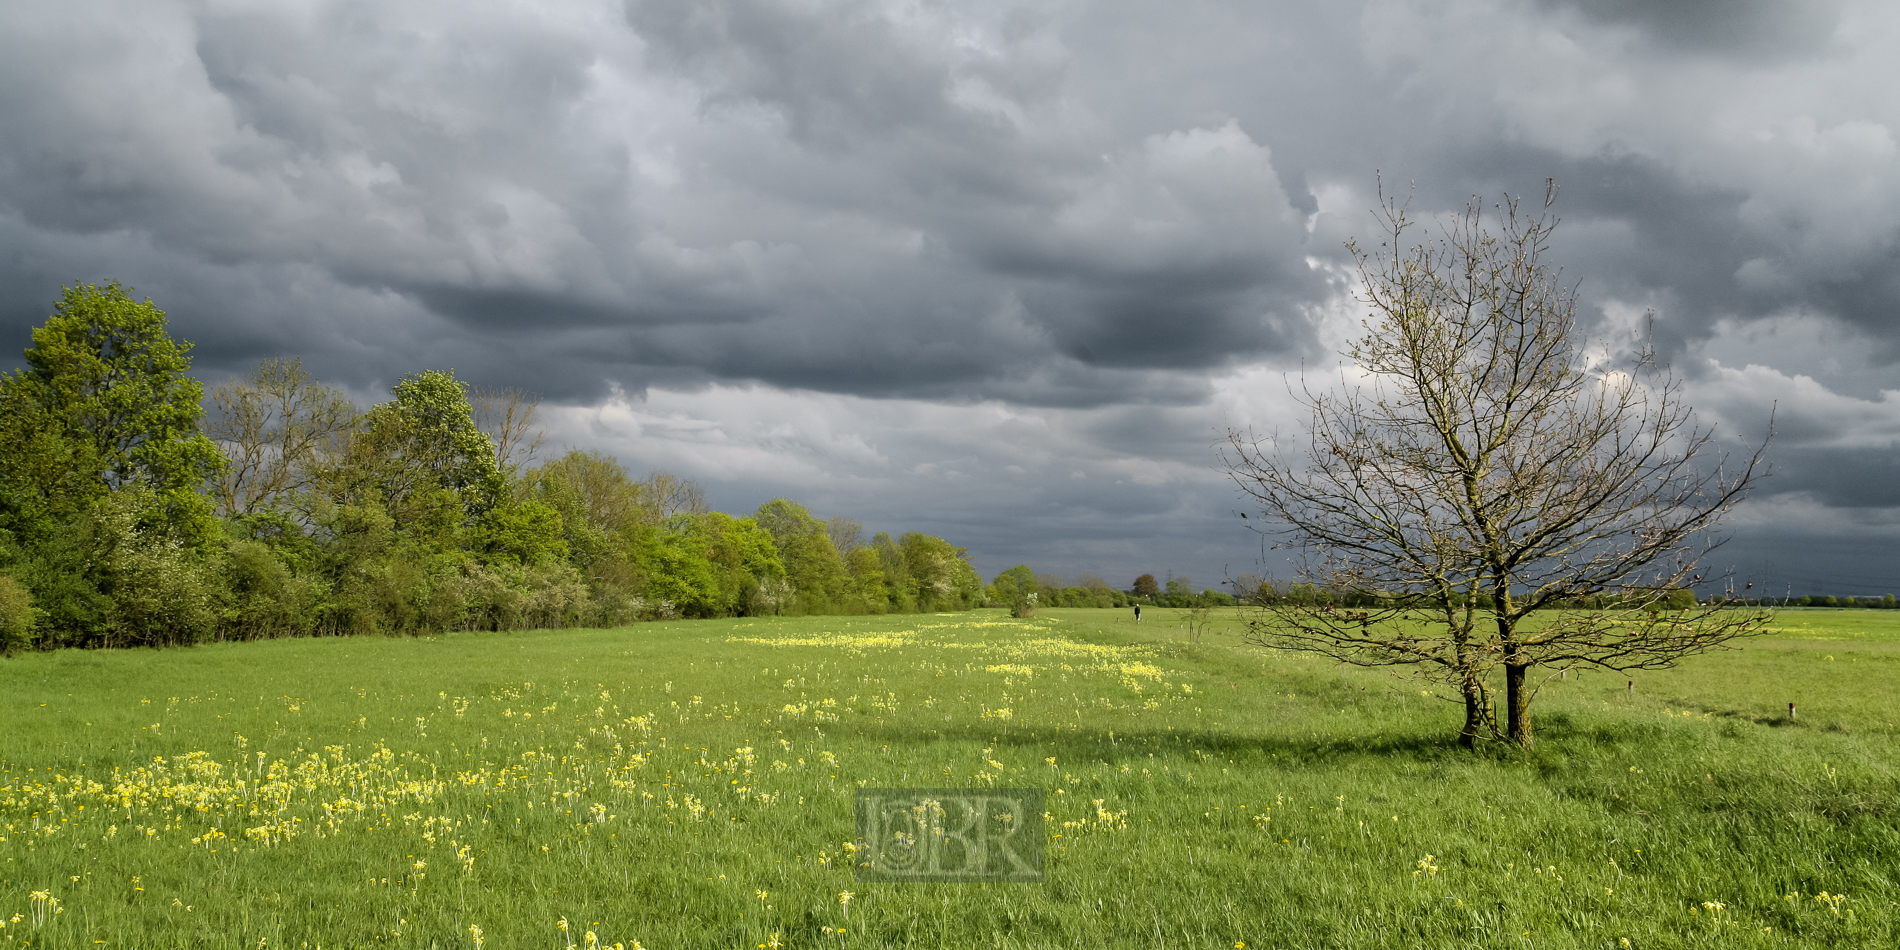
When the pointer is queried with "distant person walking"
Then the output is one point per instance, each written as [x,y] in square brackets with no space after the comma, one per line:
[1137,613]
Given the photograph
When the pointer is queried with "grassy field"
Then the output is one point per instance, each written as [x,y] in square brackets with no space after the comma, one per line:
[690,785]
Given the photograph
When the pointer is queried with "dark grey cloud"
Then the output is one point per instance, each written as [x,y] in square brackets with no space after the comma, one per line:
[1743,28]
[1088,232]
[1851,478]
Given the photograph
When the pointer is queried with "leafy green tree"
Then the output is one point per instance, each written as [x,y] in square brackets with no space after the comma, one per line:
[423,459]
[600,509]
[104,403]
[1145,586]
[748,577]
[1020,591]
[1012,583]
[939,573]
[1179,593]
[520,533]
[679,575]
[899,596]
[812,564]
[649,542]
[867,576]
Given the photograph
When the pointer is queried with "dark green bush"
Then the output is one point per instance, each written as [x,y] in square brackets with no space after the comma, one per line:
[16,617]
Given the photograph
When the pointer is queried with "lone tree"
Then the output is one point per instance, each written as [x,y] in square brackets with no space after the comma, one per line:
[1486,494]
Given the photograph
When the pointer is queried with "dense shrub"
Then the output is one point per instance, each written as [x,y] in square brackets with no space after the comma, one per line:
[16,617]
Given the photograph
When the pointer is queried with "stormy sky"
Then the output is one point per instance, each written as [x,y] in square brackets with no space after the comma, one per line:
[998,271]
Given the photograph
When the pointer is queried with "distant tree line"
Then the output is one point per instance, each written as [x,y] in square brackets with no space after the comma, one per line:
[1886,602]
[1251,589]
[1254,590]
[128,517]
[1022,590]
[1021,586]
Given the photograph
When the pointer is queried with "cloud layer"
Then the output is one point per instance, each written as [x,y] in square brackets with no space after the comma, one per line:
[1002,271]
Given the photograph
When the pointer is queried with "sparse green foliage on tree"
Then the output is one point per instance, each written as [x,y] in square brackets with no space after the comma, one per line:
[279,428]
[1456,511]
[506,416]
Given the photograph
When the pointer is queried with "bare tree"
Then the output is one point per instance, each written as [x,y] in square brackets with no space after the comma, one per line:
[847,534]
[506,415]
[1487,495]
[278,428]
[664,495]
[1252,589]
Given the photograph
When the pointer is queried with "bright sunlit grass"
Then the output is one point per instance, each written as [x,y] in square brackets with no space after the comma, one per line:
[690,785]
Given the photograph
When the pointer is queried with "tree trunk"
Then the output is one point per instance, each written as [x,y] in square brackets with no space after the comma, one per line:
[1474,717]
[1518,700]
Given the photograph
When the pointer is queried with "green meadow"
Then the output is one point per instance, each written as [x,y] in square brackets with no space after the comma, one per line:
[691,785]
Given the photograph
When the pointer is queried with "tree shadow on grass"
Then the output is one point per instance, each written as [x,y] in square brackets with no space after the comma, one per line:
[1115,746]
[1577,758]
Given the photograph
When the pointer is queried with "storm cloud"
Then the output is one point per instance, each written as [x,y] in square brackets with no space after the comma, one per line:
[998,271]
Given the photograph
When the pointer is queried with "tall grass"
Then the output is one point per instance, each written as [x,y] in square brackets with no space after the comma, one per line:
[690,785]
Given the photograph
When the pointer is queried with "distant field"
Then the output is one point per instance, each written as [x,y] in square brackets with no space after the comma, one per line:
[1820,624]
[690,785]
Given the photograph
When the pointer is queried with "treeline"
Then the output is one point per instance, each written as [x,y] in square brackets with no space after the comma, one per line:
[1254,590]
[1819,600]
[127,517]
[1023,590]
[1257,591]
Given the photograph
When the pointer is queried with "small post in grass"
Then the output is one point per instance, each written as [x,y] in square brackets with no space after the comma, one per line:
[1632,687]
[1791,715]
